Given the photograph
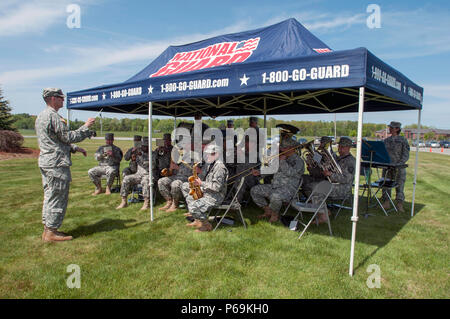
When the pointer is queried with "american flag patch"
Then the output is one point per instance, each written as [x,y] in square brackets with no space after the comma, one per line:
[322,50]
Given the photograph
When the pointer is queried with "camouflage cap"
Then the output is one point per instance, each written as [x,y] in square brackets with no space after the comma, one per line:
[325,139]
[137,138]
[345,141]
[253,119]
[167,136]
[230,122]
[48,92]
[109,136]
[395,124]
[145,141]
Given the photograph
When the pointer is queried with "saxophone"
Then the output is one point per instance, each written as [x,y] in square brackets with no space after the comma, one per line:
[195,190]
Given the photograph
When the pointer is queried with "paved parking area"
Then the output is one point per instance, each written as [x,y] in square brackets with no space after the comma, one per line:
[445,151]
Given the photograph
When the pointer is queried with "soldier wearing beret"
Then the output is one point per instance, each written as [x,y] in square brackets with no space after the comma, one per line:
[398,149]
[56,145]
[130,156]
[108,157]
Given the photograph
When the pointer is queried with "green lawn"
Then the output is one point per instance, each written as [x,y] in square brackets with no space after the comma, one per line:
[122,254]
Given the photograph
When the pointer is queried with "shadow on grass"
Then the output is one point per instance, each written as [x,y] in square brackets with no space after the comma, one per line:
[104,225]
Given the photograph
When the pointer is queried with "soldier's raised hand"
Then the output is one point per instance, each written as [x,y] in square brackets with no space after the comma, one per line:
[82,150]
[90,121]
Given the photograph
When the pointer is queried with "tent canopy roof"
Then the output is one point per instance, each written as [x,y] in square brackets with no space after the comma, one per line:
[279,69]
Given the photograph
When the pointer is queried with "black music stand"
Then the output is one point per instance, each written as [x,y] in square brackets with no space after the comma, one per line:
[373,154]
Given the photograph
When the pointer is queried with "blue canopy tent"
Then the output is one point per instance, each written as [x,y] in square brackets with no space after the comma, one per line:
[279,69]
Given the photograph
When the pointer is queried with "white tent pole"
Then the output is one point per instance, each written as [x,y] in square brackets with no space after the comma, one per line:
[68,119]
[265,110]
[150,159]
[354,218]
[416,163]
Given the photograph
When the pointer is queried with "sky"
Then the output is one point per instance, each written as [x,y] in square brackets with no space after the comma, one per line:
[116,39]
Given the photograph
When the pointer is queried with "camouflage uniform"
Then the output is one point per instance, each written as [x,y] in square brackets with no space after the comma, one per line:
[132,168]
[342,184]
[315,173]
[160,160]
[214,189]
[55,146]
[108,165]
[170,186]
[140,177]
[398,150]
[284,184]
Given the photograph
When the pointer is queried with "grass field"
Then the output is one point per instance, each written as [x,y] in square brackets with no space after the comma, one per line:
[122,254]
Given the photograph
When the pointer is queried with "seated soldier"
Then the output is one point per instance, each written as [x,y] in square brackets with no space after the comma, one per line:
[130,156]
[170,186]
[109,157]
[213,187]
[342,184]
[139,177]
[315,172]
[284,184]
[161,157]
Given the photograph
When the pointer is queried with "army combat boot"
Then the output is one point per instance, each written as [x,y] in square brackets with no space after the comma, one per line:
[204,226]
[196,223]
[168,204]
[267,213]
[98,189]
[399,205]
[146,204]
[173,207]
[52,235]
[123,203]
[386,204]
[108,190]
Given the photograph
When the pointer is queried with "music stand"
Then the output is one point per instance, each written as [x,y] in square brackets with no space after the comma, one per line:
[373,152]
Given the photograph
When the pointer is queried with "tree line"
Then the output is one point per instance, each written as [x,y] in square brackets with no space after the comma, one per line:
[307,128]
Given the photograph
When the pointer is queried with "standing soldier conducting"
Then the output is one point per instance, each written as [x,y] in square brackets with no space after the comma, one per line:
[55,144]
[108,157]
[398,150]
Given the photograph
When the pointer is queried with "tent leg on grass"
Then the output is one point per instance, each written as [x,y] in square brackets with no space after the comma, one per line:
[416,163]
[150,140]
[68,119]
[354,218]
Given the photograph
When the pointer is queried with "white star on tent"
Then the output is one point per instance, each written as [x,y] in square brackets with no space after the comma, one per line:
[244,79]
[103,96]
[150,89]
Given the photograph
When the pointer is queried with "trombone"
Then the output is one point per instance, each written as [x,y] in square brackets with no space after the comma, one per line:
[268,159]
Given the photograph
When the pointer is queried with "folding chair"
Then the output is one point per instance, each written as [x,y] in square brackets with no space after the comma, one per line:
[116,188]
[231,204]
[325,188]
[295,196]
[342,200]
[378,185]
